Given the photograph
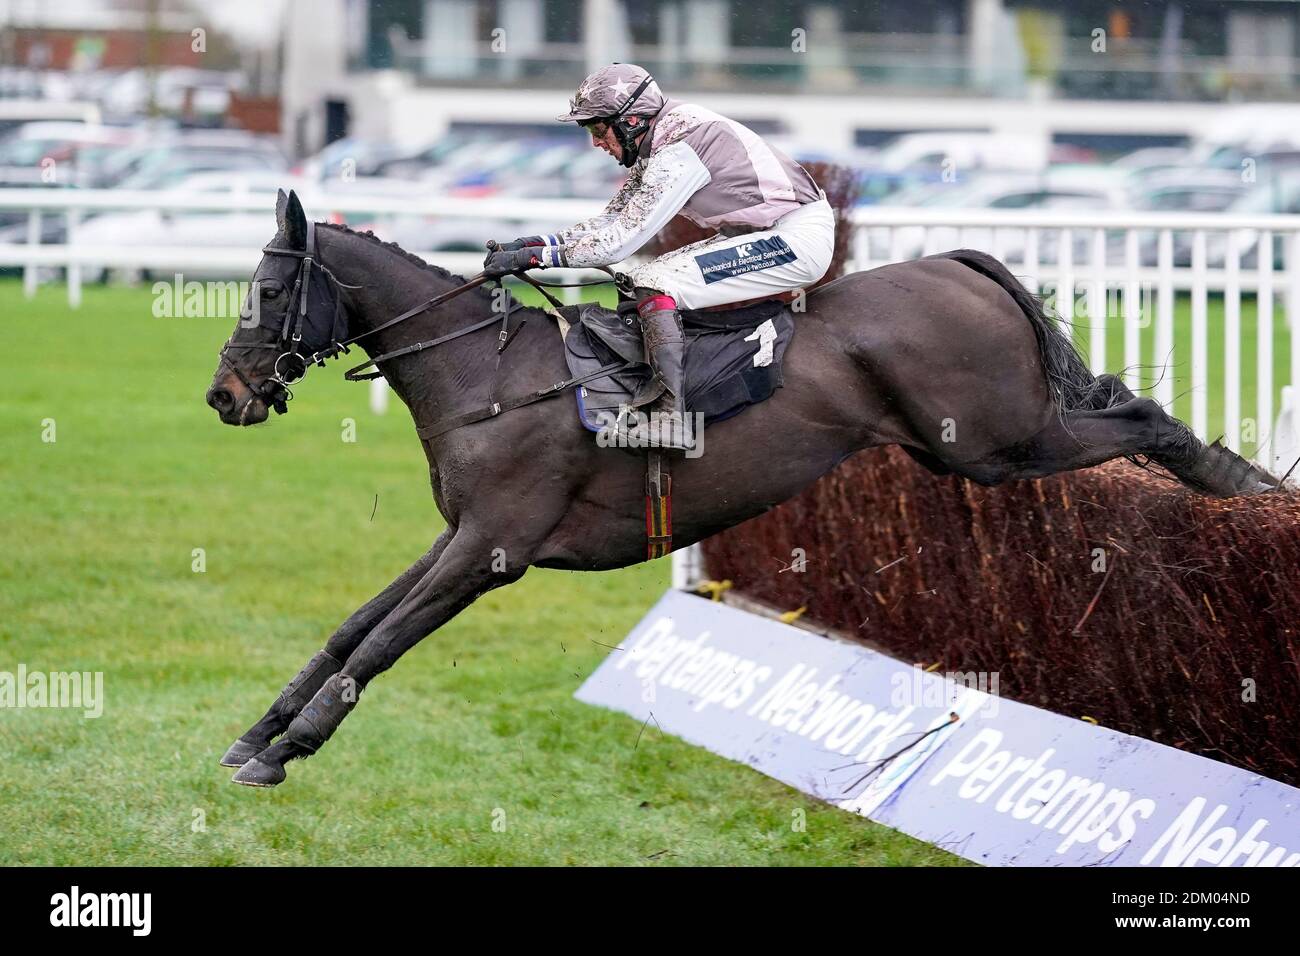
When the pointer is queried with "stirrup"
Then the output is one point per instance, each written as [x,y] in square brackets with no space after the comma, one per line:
[653,428]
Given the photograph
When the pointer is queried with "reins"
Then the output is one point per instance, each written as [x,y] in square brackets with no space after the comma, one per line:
[352,374]
[297,363]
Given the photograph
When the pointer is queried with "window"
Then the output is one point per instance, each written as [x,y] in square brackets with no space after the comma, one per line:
[1016,201]
[1074,201]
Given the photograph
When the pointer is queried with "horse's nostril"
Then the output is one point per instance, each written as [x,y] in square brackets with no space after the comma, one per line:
[221,400]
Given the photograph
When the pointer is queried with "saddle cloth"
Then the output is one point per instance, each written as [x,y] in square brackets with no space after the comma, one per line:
[733,358]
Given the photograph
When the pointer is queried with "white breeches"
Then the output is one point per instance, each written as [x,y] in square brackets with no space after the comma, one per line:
[793,254]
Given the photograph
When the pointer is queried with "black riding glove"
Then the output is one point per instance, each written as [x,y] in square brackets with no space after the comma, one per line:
[503,263]
[522,242]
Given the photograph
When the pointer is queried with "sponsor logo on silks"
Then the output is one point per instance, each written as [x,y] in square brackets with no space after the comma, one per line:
[746,257]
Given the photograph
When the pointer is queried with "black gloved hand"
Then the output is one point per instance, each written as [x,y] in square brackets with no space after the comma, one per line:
[521,243]
[502,263]
[512,246]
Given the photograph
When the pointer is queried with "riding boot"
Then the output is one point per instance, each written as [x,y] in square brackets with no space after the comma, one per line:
[669,424]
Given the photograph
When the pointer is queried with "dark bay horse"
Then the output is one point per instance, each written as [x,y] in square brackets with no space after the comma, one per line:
[948,356]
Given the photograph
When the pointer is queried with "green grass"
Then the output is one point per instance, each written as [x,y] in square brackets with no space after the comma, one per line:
[95,575]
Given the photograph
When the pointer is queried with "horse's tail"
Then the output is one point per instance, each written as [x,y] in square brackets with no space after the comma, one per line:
[1072,384]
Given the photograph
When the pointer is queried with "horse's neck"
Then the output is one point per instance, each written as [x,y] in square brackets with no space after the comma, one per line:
[441,381]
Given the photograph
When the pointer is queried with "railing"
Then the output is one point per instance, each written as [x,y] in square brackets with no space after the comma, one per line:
[1121,277]
[1144,290]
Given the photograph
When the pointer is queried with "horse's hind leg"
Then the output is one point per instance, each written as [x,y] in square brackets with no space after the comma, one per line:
[463,572]
[1135,426]
[1076,440]
[1210,469]
[326,663]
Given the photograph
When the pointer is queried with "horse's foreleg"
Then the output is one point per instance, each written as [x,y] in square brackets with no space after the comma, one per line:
[327,662]
[465,570]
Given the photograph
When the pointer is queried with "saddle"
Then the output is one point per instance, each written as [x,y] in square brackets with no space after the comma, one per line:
[733,359]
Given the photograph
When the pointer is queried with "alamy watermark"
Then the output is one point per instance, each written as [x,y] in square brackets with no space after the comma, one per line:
[133,911]
[651,430]
[180,299]
[65,689]
[921,688]
[1088,299]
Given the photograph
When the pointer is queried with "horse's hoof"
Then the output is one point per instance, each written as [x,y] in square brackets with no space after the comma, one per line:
[240,752]
[254,773]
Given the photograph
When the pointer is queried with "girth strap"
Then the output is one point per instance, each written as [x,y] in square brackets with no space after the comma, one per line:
[658,505]
[497,408]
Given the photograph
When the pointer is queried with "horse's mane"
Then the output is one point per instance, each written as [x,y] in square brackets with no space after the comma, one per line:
[482,291]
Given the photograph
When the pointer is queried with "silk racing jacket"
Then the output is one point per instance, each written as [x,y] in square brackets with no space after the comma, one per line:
[712,170]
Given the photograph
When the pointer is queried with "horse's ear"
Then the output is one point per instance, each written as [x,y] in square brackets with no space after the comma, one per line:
[294,224]
[281,204]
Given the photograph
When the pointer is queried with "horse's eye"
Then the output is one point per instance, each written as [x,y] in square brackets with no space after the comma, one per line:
[270,290]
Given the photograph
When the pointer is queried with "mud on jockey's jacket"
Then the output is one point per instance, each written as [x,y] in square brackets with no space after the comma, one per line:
[712,170]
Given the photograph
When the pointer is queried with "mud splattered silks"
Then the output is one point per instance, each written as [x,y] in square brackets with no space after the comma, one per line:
[720,175]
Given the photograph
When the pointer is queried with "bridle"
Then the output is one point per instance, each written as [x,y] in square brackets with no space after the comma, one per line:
[292,363]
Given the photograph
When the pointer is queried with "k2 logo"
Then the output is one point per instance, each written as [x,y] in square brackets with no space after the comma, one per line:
[743,250]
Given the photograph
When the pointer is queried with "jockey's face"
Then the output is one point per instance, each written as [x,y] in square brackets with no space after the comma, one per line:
[602,137]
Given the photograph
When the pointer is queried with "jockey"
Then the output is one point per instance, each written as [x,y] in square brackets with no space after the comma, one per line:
[775,229]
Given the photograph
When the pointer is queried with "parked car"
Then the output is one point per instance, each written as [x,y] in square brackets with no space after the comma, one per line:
[180,227]
[169,157]
[962,152]
[1054,189]
[458,234]
[418,163]
[1153,160]
[1188,190]
[1278,194]
[71,149]
[350,155]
